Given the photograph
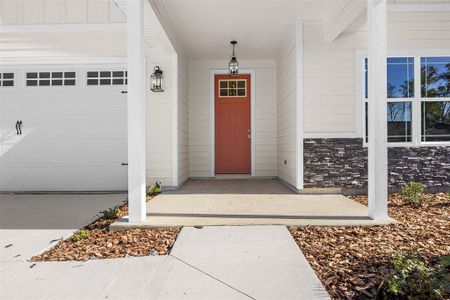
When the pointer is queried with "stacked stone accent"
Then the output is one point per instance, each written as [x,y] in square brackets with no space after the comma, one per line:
[342,163]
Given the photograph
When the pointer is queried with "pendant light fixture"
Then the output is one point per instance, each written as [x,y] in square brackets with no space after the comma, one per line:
[233,65]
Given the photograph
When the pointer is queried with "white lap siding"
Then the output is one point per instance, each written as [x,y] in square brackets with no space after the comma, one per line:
[159,123]
[200,119]
[331,76]
[286,99]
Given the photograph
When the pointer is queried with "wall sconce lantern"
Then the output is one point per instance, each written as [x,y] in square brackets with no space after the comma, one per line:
[157,77]
[233,65]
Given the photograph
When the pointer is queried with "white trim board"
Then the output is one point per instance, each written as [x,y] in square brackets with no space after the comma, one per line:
[299,109]
[174,110]
[431,7]
[63,28]
[252,73]
[25,62]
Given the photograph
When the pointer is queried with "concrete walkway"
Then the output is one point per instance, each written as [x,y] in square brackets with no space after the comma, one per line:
[252,262]
[243,262]
[250,202]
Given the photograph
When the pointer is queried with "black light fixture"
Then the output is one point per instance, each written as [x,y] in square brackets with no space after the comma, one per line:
[157,77]
[233,65]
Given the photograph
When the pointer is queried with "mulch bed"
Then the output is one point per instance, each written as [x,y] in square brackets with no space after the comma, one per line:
[103,243]
[352,261]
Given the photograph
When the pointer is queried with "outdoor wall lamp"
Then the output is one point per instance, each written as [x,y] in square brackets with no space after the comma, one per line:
[233,65]
[157,77]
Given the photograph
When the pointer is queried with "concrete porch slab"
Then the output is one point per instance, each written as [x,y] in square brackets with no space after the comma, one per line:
[223,203]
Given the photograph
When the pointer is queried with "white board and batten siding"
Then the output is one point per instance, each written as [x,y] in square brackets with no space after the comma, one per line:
[332,76]
[42,12]
[200,116]
[285,113]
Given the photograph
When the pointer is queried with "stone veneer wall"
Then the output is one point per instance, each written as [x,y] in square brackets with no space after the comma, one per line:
[342,162]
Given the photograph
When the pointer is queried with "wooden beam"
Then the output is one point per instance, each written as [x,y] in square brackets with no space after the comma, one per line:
[346,16]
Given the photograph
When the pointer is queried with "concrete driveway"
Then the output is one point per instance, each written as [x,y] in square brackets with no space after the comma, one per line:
[31,223]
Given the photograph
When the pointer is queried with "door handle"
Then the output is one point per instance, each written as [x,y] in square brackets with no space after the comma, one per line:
[19,127]
[249,135]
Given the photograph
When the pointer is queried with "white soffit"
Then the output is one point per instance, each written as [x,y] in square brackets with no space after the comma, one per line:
[205,28]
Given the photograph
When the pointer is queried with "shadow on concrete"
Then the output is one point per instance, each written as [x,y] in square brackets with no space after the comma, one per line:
[233,186]
[53,211]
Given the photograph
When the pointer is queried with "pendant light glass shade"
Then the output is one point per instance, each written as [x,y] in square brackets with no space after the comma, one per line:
[233,65]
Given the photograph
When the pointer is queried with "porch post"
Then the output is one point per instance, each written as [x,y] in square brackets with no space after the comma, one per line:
[136,106]
[378,163]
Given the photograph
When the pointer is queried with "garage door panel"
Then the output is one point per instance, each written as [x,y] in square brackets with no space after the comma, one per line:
[48,150]
[74,138]
[64,178]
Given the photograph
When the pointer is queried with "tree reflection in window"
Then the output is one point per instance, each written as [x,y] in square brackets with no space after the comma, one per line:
[435,77]
[435,121]
[400,77]
[435,83]
[399,122]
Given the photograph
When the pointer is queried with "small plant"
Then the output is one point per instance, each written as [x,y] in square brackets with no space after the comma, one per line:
[413,192]
[413,278]
[80,235]
[111,213]
[154,189]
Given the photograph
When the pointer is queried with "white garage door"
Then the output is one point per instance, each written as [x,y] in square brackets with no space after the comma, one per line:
[73,131]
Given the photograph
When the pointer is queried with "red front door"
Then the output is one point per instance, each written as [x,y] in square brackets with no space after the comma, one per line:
[232,118]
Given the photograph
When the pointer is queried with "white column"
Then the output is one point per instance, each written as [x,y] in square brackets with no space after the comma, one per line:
[136,105]
[377,49]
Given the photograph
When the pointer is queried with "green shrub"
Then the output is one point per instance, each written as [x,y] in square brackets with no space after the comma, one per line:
[80,235]
[111,213]
[413,193]
[413,278]
[154,189]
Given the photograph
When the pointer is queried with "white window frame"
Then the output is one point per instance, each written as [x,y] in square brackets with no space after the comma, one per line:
[417,100]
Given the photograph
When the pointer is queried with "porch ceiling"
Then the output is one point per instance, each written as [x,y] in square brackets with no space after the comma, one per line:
[206,27]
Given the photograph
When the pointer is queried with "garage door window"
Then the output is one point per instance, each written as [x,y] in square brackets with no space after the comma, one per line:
[7,79]
[50,78]
[107,78]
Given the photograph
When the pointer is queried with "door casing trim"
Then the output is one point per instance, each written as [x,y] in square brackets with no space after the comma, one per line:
[212,116]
